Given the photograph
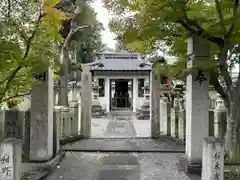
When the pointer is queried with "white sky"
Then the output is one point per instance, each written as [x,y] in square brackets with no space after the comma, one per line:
[104,17]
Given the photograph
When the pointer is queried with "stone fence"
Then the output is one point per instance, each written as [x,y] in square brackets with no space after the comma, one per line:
[15,123]
[173,118]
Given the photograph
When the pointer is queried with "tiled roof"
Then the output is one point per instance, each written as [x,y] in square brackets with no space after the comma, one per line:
[118,63]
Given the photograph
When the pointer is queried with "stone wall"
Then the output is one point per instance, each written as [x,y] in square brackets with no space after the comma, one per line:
[173,121]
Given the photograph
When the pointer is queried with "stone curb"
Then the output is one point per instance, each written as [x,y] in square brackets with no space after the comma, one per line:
[44,170]
[124,150]
[71,139]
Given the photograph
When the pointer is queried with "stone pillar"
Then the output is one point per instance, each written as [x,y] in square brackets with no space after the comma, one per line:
[74,125]
[2,124]
[86,101]
[220,118]
[10,159]
[135,94]
[182,124]
[66,121]
[107,94]
[79,117]
[175,118]
[56,129]
[41,123]
[197,100]
[213,159]
[165,116]
[155,104]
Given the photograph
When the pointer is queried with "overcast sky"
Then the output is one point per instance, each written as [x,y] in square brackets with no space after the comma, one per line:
[103,16]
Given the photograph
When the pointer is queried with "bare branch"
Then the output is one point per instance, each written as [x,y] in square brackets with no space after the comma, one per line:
[235,17]
[220,15]
[72,32]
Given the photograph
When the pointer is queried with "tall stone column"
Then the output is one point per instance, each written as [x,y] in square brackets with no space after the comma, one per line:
[41,123]
[86,98]
[155,104]
[86,101]
[197,102]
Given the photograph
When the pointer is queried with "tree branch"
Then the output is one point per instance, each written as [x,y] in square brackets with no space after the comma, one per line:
[220,15]
[235,17]
[192,27]
[72,32]
[224,68]
[15,96]
[217,86]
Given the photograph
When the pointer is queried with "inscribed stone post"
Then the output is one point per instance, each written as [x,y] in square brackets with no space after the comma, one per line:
[10,159]
[197,102]
[213,159]
[41,124]
[86,101]
[155,104]
[165,116]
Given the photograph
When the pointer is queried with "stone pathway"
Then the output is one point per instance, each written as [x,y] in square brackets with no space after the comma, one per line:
[105,128]
[80,164]
[161,144]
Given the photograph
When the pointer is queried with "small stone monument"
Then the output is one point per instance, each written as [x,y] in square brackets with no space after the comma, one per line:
[10,159]
[213,159]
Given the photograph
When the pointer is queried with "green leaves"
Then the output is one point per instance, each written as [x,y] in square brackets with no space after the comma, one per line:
[29,32]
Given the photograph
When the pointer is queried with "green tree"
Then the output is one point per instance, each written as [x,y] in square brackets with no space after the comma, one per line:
[149,25]
[28,31]
[81,33]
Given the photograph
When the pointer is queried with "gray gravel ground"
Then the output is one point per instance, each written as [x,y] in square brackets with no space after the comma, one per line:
[117,166]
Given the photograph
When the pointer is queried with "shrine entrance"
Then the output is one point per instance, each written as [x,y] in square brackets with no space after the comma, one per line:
[121,93]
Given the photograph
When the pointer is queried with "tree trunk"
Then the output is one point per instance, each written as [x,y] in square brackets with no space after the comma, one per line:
[233,130]
[63,90]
